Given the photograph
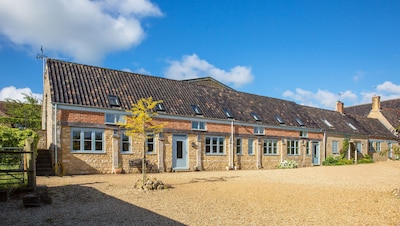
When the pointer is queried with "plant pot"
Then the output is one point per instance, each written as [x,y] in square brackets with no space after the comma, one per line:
[118,170]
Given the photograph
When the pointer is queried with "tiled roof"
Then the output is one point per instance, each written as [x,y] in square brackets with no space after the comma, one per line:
[84,85]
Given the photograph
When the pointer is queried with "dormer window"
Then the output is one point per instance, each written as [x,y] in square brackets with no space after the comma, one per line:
[113,101]
[255,116]
[299,121]
[197,110]
[228,114]
[160,107]
[279,119]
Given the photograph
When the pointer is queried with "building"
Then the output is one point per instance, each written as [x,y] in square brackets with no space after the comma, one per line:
[210,126]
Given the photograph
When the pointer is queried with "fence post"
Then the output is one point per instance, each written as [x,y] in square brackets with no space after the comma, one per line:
[31,163]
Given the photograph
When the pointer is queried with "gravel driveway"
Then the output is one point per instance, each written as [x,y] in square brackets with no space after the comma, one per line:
[325,195]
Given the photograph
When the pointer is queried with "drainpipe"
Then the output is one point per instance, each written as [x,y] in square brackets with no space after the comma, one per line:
[231,147]
[324,147]
[55,135]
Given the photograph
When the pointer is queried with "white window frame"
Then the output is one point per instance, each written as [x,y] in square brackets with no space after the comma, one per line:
[250,146]
[378,146]
[303,134]
[93,140]
[335,147]
[129,142]
[211,148]
[293,147]
[199,125]
[239,149]
[153,143]
[258,130]
[113,119]
[270,147]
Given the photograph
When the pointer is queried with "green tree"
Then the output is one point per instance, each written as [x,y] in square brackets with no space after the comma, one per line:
[139,124]
[26,114]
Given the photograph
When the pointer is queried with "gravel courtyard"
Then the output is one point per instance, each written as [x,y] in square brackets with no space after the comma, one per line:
[335,195]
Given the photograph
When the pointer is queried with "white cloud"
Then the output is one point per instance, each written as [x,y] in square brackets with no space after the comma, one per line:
[326,99]
[358,76]
[14,93]
[191,66]
[83,29]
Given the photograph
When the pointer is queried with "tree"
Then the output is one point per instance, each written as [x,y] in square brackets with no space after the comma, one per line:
[25,114]
[139,124]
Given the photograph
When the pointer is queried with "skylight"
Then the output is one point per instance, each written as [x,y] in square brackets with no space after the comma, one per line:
[228,114]
[113,101]
[352,126]
[279,119]
[197,110]
[299,121]
[255,116]
[160,107]
[327,122]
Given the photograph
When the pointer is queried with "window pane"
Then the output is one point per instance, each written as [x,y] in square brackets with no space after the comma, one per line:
[76,135]
[87,145]
[76,145]
[179,149]
[99,146]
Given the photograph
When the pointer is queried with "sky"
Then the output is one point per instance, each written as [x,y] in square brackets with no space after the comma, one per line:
[312,52]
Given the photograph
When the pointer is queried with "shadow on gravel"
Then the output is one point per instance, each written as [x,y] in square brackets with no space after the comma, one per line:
[80,205]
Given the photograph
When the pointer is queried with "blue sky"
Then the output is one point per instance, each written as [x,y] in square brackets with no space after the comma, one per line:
[310,52]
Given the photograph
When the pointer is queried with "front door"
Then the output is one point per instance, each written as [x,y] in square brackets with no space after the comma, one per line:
[179,152]
[315,153]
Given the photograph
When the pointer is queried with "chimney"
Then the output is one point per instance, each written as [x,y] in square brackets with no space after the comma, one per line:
[376,103]
[340,107]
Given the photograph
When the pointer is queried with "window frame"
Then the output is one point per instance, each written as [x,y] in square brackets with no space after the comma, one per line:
[293,147]
[270,147]
[82,139]
[116,118]
[250,146]
[199,127]
[303,134]
[238,146]
[257,130]
[220,142]
[335,147]
[128,142]
[153,143]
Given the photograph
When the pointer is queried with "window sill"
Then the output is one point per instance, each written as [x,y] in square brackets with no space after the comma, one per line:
[271,154]
[88,152]
[215,154]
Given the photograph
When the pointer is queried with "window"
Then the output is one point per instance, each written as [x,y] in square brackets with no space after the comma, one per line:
[196,125]
[125,143]
[160,107]
[327,123]
[214,145]
[197,110]
[279,119]
[255,116]
[251,147]
[114,118]
[258,130]
[150,144]
[352,126]
[87,140]
[293,147]
[335,147]
[371,146]
[113,101]
[299,121]
[228,114]
[308,152]
[303,134]
[378,146]
[270,147]
[238,146]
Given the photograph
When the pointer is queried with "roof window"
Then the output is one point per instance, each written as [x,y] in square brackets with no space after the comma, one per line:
[279,119]
[113,101]
[299,121]
[327,122]
[160,107]
[197,110]
[255,116]
[228,113]
[352,126]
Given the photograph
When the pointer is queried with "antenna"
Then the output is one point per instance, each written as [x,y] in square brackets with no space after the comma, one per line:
[42,56]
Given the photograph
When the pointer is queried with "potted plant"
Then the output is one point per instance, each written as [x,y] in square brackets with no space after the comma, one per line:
[118,170]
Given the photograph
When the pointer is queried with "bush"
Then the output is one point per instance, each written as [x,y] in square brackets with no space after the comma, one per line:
[288,164]
[336,161]
[366,159]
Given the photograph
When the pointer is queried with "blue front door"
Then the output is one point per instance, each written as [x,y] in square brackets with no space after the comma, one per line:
[179,152]
[315,153]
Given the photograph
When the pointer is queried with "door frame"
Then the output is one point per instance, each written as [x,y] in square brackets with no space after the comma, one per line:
[316,153]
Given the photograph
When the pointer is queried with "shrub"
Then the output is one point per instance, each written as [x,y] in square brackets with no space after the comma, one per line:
[288,164]
[337,160]
[366,159]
